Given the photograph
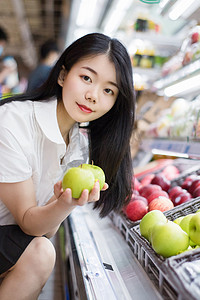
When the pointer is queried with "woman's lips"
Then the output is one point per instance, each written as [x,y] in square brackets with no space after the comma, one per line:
[84,108]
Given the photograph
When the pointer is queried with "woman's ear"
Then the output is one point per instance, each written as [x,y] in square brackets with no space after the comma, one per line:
[61,76]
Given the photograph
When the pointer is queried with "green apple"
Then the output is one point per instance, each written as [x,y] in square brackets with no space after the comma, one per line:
[198,210]
[169,239]
[184,224]
[178,220]
[149,220]
[97,172]
[194,228]
[78,179]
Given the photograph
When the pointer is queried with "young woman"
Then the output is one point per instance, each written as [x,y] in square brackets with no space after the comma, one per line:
[40,138]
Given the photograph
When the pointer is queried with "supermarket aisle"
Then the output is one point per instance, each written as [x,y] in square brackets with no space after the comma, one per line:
[54,288]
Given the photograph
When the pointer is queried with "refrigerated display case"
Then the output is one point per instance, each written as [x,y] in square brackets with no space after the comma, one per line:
[101,264]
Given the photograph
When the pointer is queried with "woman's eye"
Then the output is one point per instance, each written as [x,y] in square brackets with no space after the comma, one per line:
[86,78]
[109,91]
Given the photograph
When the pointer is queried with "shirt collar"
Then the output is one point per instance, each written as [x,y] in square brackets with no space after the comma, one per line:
[46,116]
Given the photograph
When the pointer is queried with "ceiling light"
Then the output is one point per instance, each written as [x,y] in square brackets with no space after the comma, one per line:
[163,3]
[179,8]
[187,85]
[117,14]
[85,14]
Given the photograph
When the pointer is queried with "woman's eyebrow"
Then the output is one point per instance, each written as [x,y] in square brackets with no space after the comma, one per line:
[94,72]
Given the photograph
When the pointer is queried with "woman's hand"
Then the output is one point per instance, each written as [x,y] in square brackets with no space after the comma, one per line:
[66,196]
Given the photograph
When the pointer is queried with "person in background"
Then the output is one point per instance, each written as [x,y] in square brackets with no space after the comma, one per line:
[8,67]
[49,53]
[40,138]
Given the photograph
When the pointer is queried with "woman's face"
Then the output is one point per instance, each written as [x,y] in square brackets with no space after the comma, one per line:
[89,89]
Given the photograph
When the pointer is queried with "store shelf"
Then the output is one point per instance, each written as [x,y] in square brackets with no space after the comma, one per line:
[153,73]
[179,75]
[180,148]
[158,39]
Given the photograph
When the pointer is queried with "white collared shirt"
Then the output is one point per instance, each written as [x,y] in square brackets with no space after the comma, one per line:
[31,145]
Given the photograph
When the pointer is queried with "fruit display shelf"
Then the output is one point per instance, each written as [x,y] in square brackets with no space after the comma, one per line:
[160,269]
[185,166]
[121,221]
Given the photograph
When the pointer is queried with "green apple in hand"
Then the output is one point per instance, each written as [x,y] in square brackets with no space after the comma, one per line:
[169,239]
[184,224]
[78,179]
[149,220]
[194,228]
[97,172]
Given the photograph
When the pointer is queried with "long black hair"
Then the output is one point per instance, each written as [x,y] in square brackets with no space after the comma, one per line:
[110,134]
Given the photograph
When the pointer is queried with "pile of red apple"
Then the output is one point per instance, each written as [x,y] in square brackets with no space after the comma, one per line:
[156,192]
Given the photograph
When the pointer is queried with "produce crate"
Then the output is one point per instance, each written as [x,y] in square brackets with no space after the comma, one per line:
[184,271]
[122,223]
[155,265]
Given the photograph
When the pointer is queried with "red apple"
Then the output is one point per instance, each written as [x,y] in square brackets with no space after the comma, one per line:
[175,195]
[182,198]
[162,181]
[174,190]
[195,183]
[148,189]
[170,172]
[157,194]
[138,197]
[195,37]
[186,184]
[196,192]
[147,179]
[136,183]
[161,203]
[136,210]
[135,192]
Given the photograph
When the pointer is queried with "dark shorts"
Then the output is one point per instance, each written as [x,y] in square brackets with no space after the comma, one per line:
[13,242]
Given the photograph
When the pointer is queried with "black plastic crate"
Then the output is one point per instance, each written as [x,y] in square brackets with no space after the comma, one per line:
[155,265]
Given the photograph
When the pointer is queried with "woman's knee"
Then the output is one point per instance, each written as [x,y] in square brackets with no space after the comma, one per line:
[39,255]
[44,251]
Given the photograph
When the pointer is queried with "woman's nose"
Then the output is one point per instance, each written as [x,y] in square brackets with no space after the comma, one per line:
[91,97]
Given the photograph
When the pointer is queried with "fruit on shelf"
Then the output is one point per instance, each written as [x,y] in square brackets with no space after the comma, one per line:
[174,190]
[196,192]
[188,181]
[169,239]
[178,193]
[162,181]
[136,210]
[195,183]
[78,179]
[149,220]
[97,172]
[182,198]
[146,190]
[184,224]
[194,228]
[147,179]
[194,37]
[138,197]
[170,172]
[178,220]
[136,184]
[157,194]
[161,203]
